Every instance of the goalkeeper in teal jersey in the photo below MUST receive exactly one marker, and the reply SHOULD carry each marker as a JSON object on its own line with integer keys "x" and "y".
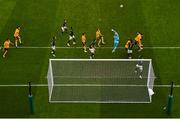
{"x": 116, "y": 40}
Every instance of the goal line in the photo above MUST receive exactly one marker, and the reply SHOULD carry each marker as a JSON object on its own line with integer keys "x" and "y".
{"x": 86, "y": 85}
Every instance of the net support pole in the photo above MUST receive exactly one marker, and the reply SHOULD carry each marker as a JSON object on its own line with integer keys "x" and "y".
{"x": 169, "y": 107}
{"x": 170, "y": 100}
{"x": 30, "y": 99}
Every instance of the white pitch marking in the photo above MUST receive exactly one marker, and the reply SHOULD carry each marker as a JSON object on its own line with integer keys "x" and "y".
{"x": 32, "y": 47}
{"x": 86, "y": 85}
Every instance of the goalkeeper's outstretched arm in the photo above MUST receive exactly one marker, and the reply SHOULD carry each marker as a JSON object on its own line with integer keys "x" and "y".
{"x": 114, "y": 31}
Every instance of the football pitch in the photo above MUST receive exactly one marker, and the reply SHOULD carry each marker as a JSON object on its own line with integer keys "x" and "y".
{"x": 157, "y": 20}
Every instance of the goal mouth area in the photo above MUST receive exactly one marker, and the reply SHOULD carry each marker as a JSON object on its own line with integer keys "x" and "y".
{"x": 99, "y": 81}
{"x": 99, "y": 93}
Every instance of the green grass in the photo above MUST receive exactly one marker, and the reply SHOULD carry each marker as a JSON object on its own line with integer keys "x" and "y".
{"x": 158, "y": 20}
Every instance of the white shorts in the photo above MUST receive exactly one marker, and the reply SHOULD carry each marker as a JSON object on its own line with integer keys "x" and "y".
{"x": 140, "y": 67}
{"x": 129, "y": 51}
{"x": 63, "y": 28}
{"x": 71, "y": 37}
{"x": 53, "y": 47}
{"x": 92, "y": 50}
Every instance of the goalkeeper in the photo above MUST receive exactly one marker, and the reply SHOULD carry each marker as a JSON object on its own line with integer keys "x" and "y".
{"x": 116, "y": 40}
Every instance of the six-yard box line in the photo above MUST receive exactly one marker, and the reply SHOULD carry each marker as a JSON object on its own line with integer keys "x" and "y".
{"x": 42, "y": 47}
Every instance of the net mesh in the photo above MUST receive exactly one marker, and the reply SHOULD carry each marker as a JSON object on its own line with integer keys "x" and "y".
{"x": 99, "y": 81}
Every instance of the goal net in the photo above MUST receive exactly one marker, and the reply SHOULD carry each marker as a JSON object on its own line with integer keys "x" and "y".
{"x": 100, "y": 80}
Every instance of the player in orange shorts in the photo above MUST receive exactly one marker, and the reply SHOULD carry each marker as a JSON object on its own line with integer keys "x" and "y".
{"x": 6, "y": 46}
{"x": 83, "y": 40}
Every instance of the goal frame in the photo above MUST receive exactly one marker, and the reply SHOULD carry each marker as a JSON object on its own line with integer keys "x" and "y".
{"x": 101, "y": 60}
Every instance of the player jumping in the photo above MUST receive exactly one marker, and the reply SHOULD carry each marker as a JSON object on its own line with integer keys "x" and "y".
{"x": 6, "y": 46}
{"x": 83, "y": 40}
{"x": 129, "y": 46}
{"x": 17, "y": 36}
{"x": 139, "y": 67}
{"x": 53, "y": 46}
{"x": 138, "y": 41}
{"x": 64, "y": 27}
{"x": 116, "y": 40}
{"x": 99, "y": 38}
{"x": 71, "y": 37}
{"x": 92, "y": 51}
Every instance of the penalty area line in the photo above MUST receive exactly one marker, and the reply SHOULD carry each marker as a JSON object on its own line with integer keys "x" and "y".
{"x": 29, "y": 47}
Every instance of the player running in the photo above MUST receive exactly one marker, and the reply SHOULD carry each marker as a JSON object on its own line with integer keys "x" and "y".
{"x": 6, "y": 46}
{"x": 64, "y": 27}
{"x": 116, "y": 40}
{"x": 99, "y": 38}
{"x": 138, "y": 41}
{"x": 17, "y": 36}
{"x": 53, "y": 46}
{"x": 92, "y": 51}
{"x": 71, "y": 37}
{"x": 139, "y": 67}
{"x": 83, "y": 40}
{"x": 129, "y": 46}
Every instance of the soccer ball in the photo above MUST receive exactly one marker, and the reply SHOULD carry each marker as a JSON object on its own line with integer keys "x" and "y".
{"x": 121, "y": 6}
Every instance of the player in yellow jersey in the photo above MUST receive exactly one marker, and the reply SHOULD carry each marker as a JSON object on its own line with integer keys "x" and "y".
{"x": 99, "y": 38}
{"x": 138, "y": 41}
{"x": 6, "y": 46}
{"x": 83, "y": 40}
{"x": 17, "y": 36}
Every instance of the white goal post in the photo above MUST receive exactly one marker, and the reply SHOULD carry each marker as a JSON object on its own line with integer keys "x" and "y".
{"x": 100, "y": 81}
